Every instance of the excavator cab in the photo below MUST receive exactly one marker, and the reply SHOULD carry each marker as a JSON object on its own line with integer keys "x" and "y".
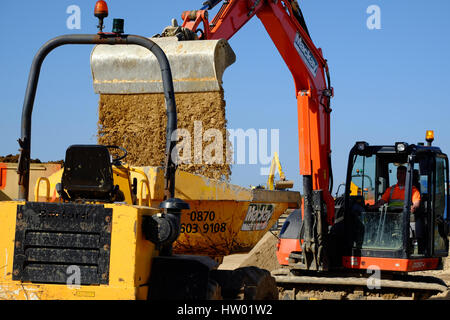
{"x": 396, "y": 235}
{"x": 377, "y": 237}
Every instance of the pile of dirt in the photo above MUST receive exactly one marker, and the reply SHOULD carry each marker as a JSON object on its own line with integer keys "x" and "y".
{"x": 137, "y": 122}
{"x": 15, "y": 159}
{"x": 263, "y": 255}
{"x": 9, "y": 158}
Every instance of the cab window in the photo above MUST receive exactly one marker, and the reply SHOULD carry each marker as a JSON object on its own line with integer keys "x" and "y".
{"x": 363, "y": 178}
{"x": 371, "y": 176}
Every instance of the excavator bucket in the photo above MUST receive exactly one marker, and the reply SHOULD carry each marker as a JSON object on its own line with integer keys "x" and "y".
{"x": 128, "y": 80}
{"x": 196, "y": 65}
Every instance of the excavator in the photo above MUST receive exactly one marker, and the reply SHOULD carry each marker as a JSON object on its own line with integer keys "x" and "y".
{"x": 338, "y": 242}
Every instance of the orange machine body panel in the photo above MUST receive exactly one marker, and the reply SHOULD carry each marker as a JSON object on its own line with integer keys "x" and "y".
{"x": 2, "y": 176}
{"x": 285, "y": 247}
{"x": 390, "y": 264}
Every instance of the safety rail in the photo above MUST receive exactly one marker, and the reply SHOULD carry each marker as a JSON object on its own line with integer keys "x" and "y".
{"x": 36, "y": 189}
{"x": 141, "y": 186}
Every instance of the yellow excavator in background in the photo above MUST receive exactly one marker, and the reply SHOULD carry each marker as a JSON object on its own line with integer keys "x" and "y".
{"x": 281, "y": 184}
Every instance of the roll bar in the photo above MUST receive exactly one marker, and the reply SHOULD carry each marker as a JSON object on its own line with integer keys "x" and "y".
{"x": 100, "y": 38}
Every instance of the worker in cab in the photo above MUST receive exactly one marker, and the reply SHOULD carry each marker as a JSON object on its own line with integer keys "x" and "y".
{"x": 394, "y": 196}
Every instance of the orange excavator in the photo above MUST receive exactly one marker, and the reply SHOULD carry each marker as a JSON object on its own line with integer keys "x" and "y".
{"x": 338, "y": 241}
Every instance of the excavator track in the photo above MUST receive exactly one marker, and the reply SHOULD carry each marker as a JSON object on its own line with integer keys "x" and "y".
{"x": 298, "y": 285}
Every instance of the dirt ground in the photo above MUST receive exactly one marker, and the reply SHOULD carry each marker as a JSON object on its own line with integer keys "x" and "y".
{"x": 138, "y": 123}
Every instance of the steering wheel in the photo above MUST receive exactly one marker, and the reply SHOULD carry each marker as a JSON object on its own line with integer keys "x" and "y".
{"x": 116, "y": 161}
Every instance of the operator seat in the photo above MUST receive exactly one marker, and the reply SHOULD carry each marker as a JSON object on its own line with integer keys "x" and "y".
{"x": 88, "y": 173}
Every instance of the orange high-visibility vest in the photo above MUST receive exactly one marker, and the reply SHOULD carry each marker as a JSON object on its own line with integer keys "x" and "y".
{"x": 395, "y": 196}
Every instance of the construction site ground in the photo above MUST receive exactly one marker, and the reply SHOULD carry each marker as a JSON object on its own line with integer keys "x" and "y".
{"x": 263, "y": 255}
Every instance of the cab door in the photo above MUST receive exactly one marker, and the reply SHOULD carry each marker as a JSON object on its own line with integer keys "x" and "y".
{"x": 439, "y": 241}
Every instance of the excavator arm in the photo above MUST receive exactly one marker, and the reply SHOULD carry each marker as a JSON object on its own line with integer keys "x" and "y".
{"x": 286, "y": 26}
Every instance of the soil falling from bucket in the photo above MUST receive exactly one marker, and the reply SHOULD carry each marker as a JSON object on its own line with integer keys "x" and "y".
{"x": 137, "y": 122}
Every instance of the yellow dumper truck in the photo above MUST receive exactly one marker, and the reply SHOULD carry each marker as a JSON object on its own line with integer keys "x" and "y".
{"x": 101, "y": 229}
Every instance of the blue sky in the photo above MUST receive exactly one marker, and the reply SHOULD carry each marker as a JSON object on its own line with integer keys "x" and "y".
{"x": 390, "y": 84}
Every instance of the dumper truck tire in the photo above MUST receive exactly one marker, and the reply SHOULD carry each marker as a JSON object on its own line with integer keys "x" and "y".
{"x": 250, "y": 283}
